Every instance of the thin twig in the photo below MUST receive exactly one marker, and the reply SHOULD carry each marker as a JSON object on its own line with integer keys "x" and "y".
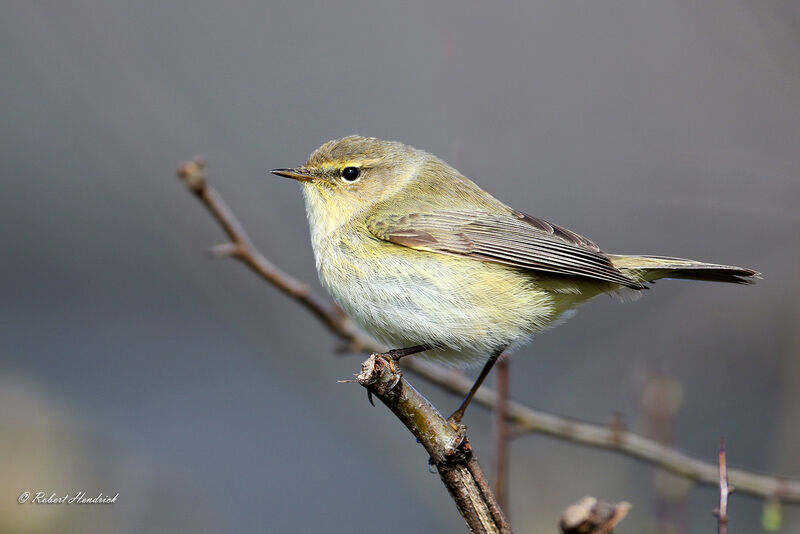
{"x": 724, "y": 490}
{"x": 501, "y": 433}
{"x": 660, "y": 402}
{"x": 527, "y": 419}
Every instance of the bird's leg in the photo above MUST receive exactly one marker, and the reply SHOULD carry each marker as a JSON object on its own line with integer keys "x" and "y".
{"x": 396, "y": 354}
{"x": 455, "y": 419}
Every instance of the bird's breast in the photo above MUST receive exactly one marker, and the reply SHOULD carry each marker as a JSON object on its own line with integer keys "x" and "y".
{"x": 407, "y": 297}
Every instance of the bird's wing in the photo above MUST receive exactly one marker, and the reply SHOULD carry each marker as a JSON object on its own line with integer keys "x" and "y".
{"x": 511, "y": 238}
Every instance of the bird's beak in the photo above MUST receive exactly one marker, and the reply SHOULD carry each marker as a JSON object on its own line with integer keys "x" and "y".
{"x": 294, "y": 174}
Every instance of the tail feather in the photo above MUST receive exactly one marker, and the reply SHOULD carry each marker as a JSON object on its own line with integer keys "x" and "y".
{"x": 651, "y": 268}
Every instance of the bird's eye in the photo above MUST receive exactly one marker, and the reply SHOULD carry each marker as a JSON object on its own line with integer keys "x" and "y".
{"x": 351, "y": 174}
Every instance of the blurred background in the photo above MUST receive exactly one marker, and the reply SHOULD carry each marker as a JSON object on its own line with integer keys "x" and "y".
{"x": 130, "y": 362}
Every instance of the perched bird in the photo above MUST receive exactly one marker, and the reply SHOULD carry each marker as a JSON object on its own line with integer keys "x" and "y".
{"x": 426, "y": 261}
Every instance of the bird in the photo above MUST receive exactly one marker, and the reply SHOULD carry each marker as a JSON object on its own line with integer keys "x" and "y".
{"x": 427, "y": 262}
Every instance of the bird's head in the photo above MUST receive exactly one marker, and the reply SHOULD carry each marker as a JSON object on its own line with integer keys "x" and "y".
{"x": 348, "y": 175}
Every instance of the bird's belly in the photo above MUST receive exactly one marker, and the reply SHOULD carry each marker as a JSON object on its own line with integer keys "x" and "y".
{"x": 405, "y": 298}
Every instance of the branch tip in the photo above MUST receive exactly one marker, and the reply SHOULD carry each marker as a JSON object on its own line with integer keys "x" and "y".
{"x": 590, "y": 516}
{"x": 193, "y": 174}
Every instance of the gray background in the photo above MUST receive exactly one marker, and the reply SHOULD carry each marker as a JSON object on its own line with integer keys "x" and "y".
{"x": 131, "y": 363}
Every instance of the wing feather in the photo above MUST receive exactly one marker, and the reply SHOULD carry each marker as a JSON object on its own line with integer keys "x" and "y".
{"x": 510, "y": 238}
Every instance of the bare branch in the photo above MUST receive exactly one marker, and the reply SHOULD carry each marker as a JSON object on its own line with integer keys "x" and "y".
{"x": 501, "y": 442}
{"x": 616, "y": 439}
{"x": 449, "y": 449}
{"x": 528, "y": 420}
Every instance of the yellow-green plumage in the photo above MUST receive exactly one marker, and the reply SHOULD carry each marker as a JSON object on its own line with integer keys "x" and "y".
{"x": 419, "y": 255}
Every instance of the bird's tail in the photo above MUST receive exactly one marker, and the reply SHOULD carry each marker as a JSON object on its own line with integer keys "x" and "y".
{"x": 651, "y": 268}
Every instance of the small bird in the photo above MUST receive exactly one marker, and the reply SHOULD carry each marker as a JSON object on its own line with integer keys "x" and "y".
{"x": 428, "y": 262}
